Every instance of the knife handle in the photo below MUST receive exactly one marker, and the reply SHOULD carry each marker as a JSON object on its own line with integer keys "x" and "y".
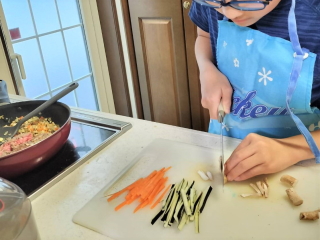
{"x": 221, "y": 113}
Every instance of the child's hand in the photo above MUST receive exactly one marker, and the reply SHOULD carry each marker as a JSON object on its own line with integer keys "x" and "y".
{"x": 215, "y": 87}
{"x": 257, "y": 155}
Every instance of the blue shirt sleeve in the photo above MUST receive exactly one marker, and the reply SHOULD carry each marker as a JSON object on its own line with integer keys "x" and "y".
{"x": 206, "y": 18}
{"x": 199, "y": 16}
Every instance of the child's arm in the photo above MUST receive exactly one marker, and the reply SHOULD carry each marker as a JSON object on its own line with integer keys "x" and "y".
{"x": 257, "y": 155}
{"x": 214, "y": 85}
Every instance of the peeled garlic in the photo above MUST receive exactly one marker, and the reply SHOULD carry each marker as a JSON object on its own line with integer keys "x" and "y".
{"x": 203, "y": 175}
{"x": 209, "y": 175}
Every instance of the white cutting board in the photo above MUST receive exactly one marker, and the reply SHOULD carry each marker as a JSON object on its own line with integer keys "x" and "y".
{"x": 226, "y": 216}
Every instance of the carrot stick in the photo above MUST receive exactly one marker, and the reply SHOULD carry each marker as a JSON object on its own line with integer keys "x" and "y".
{"x": 156, "y": 188}
{"x": 145, "y": 189}
{"x": 120, "y": 205}
{"x": 141, "y": 185}
{"x": 126, "y": 202}
{"x": 148, "y": 189}
{"x": 153, "y": 196}
{"x": 117, "y": 194}
{"x": 131, "y": 186}
{"x": 136, "y": 190}
{"x": 161, "y": 196}
{"x": 151, "y": 175}
{"x": 141, "y": 205}
{"x": 129, "y": 201}
{"x": 167, "y": 169}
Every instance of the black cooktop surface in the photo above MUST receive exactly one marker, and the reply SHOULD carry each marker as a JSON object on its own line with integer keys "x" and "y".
{"x": 83, "y": 139}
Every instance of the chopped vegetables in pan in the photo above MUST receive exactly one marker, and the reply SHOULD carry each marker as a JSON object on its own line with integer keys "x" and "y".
{"x": 36, "y": 125}
{"x": 30, "y": 133}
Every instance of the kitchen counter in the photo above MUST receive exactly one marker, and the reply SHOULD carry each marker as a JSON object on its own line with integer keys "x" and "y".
{"x": 54, "y": 209}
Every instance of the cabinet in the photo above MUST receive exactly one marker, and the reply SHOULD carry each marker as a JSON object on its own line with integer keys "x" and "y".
{"x": 161, "y": 40}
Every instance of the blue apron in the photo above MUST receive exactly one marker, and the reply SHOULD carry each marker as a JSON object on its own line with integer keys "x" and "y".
{"x": 272, "y": 82}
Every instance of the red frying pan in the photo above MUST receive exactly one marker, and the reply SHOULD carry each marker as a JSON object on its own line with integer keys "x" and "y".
{"x": 27, "y": 159}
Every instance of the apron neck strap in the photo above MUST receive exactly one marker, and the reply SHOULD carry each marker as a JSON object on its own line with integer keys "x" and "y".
{"x": 298, "y": 57}
{"x": 292, "y": 27}
{"x": 295, "y": 73}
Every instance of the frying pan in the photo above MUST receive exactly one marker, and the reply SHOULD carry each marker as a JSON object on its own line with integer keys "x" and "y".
{"x": 27, "y": 159}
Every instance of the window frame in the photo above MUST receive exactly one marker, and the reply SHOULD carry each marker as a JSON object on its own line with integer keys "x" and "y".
{"x": 93, "y": 34}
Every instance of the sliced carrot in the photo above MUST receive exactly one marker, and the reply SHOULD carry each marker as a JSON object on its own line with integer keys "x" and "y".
{"x": 144, "y": 189}
{"x": 148, "y": 189}
{"x": 117, "y": 194}
{"x": 162, "y": 182}
{"x": 141, "y": 205}
{"x": 129, "y": 201}
{"x": 155, "y": 193}
{"x": 126, "y": 202}
{"x": 142, "y": 184}
{"x": 120, "y": 205}
{"x": 139, "y": 189}
{"x": 161, "y": 197}
{"x": 151, "y": 175}
{"x": 156, "y": 188}
{"x": 151, "y": 197}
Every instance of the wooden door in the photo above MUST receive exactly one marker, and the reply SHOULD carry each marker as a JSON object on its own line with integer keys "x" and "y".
{"x": 158, "y": 37}
{"x": 199, "y": 116}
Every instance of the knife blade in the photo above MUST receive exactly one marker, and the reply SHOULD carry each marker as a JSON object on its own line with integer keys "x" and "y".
{"x": 221, "y": 114}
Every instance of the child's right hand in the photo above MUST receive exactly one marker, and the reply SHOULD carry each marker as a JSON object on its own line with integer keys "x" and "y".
{"x": 215, "y": 87}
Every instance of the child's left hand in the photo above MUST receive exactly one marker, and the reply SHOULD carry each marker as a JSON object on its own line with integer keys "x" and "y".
{"x": 257, "y": 155}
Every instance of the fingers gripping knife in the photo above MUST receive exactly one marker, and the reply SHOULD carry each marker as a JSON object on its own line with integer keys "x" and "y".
{"x": 221, "y": 115}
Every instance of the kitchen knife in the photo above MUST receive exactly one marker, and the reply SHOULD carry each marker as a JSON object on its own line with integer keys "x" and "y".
{"x": 221, "y": 115}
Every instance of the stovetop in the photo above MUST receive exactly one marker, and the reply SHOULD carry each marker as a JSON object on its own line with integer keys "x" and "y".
{"x": 89, "y": 134}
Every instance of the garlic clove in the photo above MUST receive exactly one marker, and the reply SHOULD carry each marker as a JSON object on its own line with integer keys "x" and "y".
{"x": 203, "y": 175}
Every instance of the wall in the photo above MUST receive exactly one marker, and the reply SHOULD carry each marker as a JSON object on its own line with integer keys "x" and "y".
{"x": 126, "y": 58}
{"x": 4, "y": 70}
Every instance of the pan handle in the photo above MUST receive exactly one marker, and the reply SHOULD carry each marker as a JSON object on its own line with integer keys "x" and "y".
{"x": 48, "y": 103}
{"x": 64, "y": 92}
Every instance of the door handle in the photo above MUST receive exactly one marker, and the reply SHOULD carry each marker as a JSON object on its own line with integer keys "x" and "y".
{"x": 186, "y": 4}
{"x": 20, "y": 64}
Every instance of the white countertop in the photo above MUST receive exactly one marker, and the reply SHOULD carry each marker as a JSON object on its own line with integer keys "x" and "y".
{"x": 54, "y": 209}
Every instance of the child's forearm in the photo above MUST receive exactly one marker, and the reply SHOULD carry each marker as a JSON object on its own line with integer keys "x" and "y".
{"x": 203, "y": 50}
{"x": 299, "y": 148}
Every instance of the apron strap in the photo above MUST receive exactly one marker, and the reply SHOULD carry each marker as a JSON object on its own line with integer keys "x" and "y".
{"x": 292, "y": 26}
{"x": 296, "y": 69}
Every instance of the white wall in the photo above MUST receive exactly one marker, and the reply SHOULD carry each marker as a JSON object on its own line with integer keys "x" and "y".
{"x": 126, "y": 59}
{"x": 4, "y": 70}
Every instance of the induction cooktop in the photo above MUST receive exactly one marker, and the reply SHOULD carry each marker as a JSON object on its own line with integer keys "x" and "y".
{"x": 89, "y": 134}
